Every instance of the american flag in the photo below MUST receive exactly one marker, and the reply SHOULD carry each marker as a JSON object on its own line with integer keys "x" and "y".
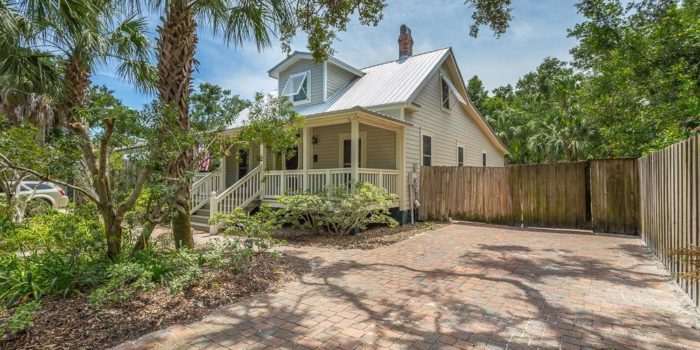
{"x": 205, "y": 162}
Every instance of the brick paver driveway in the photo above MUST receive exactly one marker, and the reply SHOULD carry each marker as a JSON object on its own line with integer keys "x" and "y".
{"x": 461, "y": 287}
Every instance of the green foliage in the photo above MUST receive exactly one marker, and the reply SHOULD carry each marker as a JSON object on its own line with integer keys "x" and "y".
{"x": 494, "y": 13}
{"x": 274, "y": 123}
{"x": 21, "y": 319}
{"x": 125, "y": 280}
{"x": 337, "y": 210}
{"x": 20, "y": 148}
{"x": 51, "y": 254}
{"x": 631, "y": 89}
{"x": 255, "y": 231}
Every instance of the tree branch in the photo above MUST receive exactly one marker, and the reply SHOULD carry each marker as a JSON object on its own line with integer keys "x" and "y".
{"x": 134, "y": 195}
{"x": 9, "y": 164}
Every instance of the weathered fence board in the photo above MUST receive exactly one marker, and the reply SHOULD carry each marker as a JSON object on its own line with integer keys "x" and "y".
{"x": 615, "y": 196}
{"x": 670, "y": 206}
{"x": 546, "y": 195}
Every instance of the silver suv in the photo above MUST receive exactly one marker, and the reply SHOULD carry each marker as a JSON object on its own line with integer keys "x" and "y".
{"x": 48, "y": 192}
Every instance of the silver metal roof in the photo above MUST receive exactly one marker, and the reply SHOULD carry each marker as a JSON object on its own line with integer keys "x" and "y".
{"x": 383, "y": 84}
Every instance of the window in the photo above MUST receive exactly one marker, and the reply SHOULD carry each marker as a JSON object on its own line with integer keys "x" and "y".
{"x": 460, "y": 156}
{"x": 427, "y": 150}
{"x": 483, "y": 158}
{"x": 445, "y": 94}
{"x": 297, "y": 87}
{"x": 38, "y": 186}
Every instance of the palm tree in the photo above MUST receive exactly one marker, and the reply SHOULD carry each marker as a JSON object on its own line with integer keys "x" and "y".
{"x": 82, "y": 35}
{"x": 237, "y": 22}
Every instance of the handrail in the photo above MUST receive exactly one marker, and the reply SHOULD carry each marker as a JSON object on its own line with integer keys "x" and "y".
{"x": 240, "y": 194}
{"x": 239, "y": 182}
{"x": 201, "y": 190}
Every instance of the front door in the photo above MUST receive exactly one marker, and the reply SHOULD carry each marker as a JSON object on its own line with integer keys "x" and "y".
{"x": 347, "y": 153}
{"x": 293, "y": 162}
{"x": 242, "y": 163}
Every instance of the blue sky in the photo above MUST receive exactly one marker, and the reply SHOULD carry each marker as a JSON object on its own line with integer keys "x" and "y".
{"x": 538, "y": 30}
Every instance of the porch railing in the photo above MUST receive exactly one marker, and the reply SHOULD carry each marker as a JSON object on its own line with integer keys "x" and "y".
{"x": 201, "y": 189}
{"x": 242, "y": 193}
{"x": 289, "y": 182}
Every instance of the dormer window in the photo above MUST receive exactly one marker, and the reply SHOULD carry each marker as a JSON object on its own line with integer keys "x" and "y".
{"x": 297, "y": 87}
{"x": 445, "y": 88}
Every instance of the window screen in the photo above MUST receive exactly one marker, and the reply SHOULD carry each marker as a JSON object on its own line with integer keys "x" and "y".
{"x": 460, "y": 156}
{"x": 427, "y": 150}
{"x": 297, "y": 87}
{"x": 483, "y": 158}
{"x": 445, "y": 94}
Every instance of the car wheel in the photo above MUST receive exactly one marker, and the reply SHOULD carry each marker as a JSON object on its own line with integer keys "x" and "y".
{"x": 38, "y": 206}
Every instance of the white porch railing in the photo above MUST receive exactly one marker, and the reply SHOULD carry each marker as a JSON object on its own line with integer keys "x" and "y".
{"x": 201, "y": 189}
{"x": 242, "y": 193}
{"x": 288, "y": 182}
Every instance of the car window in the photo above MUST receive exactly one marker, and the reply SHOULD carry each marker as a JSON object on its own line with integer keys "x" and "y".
{"x": 38, "y": 186}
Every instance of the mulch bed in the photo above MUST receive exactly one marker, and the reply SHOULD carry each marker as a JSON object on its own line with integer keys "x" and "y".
{"x": 71, "y": 323}
{"x": 371, "y": 238}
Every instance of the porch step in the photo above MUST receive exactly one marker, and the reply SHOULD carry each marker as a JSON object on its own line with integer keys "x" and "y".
{"x": 202, "y": 219}
{"x": 199, "y": 226}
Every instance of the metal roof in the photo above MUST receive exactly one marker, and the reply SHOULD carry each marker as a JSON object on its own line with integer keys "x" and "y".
{"x": 383, "y": 84}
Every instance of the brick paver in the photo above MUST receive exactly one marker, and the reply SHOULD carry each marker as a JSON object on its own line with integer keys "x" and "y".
{"x": 461, "y": 287}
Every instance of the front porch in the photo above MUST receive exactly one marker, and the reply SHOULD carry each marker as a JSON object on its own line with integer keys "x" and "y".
{"x": 334, "y": 151}
{"x": 289, "y": 182}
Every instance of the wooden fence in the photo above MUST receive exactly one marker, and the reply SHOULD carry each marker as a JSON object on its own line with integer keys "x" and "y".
{"x": 564, "y": 195}
{"x": 670, "y": 206}
{"x": 615, "y": 195}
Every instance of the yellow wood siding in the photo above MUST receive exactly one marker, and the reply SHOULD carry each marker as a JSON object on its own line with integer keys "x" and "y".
{"x": 447, "y": 128}
{"x": 380, "y": 152}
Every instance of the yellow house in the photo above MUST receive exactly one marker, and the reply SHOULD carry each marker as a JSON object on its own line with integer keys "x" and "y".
{"x": 377, "y": 124}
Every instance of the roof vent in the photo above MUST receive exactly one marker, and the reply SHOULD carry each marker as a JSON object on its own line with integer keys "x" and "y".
{"x": 405, "y": 43}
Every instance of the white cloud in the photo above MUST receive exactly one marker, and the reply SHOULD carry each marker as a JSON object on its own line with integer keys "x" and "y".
{"x": 537, "y": 31}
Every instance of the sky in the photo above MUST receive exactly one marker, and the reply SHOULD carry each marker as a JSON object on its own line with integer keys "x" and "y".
{"x": 538, "y": 30}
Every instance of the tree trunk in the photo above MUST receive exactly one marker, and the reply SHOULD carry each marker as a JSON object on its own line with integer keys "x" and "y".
{"x": 113, "y": 231}
{"x": 144, "y": 237}
{"x": 176, "y": 47}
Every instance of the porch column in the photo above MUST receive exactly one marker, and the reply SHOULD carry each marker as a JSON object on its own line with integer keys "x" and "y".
{"x": 263, "y": 157}
{"x": 401, "y": 167}
{"x": 222, "y": 174}
{"x": 354, "y": 145}
{"x": 305, "y": 150}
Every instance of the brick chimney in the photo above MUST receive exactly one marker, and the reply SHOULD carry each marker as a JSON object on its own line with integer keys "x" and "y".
{"x": 405, "y": 43}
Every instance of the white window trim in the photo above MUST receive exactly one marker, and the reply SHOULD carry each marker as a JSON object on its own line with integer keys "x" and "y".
{"x": 457, "y": 153}
{"x": 363, "y": 156}
{"x": 449, "y": 93}
{"x": 432, "y": 148}
{"x": 308, "y": 87}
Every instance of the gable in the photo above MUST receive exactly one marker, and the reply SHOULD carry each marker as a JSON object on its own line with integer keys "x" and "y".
{"x": 315, "y": 78}
{"x": 461, "y": 105}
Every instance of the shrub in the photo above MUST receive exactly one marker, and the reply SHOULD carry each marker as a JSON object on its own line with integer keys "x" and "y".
{"x": 51, "y": 254}
{"x": 125, "y": 280}
{"x": 337, "y": 210}
{"x": 254, "y": 231}
{"x": 22, "y": 318}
